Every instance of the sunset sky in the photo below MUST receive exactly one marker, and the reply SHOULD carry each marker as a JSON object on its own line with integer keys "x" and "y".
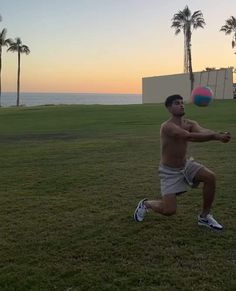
{"x": 107, "y": 46}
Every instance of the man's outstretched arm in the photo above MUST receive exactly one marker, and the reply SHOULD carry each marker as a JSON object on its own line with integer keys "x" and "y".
{"x": 199, "y": 136}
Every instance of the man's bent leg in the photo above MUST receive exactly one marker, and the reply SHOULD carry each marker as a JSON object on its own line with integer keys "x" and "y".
{"x": 166, "y": 206}
{"x": 208, "y": 178}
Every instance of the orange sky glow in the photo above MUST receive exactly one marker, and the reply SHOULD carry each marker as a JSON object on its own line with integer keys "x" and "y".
{"x": 108, "y": 46}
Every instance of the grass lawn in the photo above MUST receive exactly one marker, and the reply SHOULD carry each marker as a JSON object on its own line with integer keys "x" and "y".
{"x": 71, "y": 177}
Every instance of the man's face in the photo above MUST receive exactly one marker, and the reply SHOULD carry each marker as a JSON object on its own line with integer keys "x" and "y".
{"x": 177, "y": 108}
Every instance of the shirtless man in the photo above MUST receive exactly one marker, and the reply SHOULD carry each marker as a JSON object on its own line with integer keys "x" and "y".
{"x": 176, "y": 171}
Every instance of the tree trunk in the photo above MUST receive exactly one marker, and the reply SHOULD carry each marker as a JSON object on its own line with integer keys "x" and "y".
{"x": 18, "y": 81}
{"x": 185, "y": 55}
{"x": 191, "y": 76}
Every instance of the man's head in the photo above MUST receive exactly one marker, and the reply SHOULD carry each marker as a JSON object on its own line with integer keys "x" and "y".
{"x": 175, "y": 105}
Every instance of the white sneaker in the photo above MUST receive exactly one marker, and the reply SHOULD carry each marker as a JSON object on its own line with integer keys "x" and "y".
{"x": 140, "y": 211}
{"x": 209, "y": 221}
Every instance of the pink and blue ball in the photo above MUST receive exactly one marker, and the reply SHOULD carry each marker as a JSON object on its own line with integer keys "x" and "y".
{"x": 202, "y": 96}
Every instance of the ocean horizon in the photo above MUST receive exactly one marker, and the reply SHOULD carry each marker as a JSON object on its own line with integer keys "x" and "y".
{"x": 8, "y": 99}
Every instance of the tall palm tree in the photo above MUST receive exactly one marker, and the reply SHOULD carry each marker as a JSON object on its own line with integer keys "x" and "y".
{"x": 3, "y": 42}
{"x": 230, "y": 27}
{"x": 17, "y": 46}
{"x": 186, "y": 21}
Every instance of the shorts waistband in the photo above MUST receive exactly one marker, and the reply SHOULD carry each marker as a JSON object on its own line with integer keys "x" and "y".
{"x": 179, "y": 168}
{"x": 170, "y": 168}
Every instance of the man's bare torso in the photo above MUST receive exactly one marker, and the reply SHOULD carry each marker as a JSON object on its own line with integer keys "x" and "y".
{"x": 173, "y": 150}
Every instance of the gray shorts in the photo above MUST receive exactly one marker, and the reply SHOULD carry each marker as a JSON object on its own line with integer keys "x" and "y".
{"x": 176, "y": 180}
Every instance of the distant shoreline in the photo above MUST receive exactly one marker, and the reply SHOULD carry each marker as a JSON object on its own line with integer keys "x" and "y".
{"x": 34, "y": 99}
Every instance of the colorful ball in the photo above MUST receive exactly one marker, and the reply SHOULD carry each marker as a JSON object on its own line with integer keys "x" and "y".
{"x": 201, "y": 96}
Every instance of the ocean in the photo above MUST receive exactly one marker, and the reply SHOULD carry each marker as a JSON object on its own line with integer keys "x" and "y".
{"x": 34, "y": 99}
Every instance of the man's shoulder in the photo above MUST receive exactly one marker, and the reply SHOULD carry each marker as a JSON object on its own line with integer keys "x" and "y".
{"x": 190, "y": 121}
{"x": 167, "y": 125}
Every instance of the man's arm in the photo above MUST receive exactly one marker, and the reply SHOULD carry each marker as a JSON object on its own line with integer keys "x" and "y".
{"x": 195, "y": 127}
{"x": 177, "y": 132}
{"x": 223, "y": 136}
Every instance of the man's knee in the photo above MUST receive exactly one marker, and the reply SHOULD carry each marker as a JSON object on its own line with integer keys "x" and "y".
{"x": 169, "y": 204}
{"x": 210, "y": 177}
{"x": 169, "y": 211}
{"x": 205, "y": 175}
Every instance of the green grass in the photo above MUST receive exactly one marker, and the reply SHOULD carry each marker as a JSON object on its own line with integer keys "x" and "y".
{"x": 71, "y": 177}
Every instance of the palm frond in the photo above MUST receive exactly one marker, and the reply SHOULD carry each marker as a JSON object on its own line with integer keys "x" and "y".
{"x": 197, "y": 14}
{"x": 3, "y": 40}
{"x": 176, "y": 24}
{"x": 177, "y": 31}
{"x": 187, "y": 12}
{"x": 12, "y": 49}
{"x": 231, "y": 22}
{"x": 18, "y": 40}
{"x": 226, "y": 29}
{"x": 198, "y": 24}
{"x": 3, "y": 33}
{"x": 25, "y": 49}
{"x": 181, "y": 16}
{"x": 8, "y": 41}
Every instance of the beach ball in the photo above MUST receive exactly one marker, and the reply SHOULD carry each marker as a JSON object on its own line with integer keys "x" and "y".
{"x": 201, "y": 96}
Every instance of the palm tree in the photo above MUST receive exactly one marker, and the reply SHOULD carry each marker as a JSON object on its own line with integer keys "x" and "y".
{"x": 186, "y": 22}
{"x": 3, "y": 42}
{"x": 17, "y": 46}
{"x": 230, "y": 27}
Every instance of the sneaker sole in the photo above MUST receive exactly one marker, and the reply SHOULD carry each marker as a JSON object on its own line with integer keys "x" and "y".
{"x": 209, "y": 226}
{"x": 135, "y": 218}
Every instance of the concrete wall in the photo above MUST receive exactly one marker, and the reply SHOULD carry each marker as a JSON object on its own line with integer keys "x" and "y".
{"x": 156, "y": 89}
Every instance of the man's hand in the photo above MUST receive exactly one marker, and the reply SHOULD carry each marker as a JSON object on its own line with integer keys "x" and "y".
{"x": 224, "y": 137}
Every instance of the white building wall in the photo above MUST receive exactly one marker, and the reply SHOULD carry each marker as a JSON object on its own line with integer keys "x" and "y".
{"x": 156, "y": 89}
